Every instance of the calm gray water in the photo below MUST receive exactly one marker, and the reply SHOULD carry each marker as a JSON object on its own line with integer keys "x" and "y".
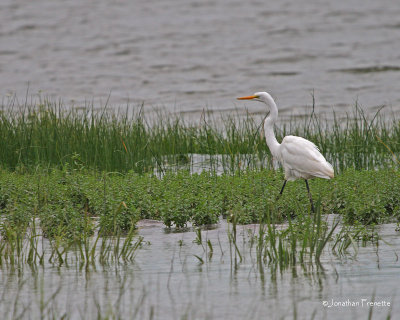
{"x": 167, "y": 281}
{"x": 188, "y": 55}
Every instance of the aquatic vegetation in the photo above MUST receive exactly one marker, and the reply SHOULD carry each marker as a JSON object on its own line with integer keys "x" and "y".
{"x": 67, "y": 201}
{"x": 50, "y": 134}
{"x": 75, "y": 183}
{"x": 98, "y": 236}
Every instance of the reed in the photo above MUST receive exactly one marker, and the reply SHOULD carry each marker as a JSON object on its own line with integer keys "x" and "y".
{"x": 51, "y": 134}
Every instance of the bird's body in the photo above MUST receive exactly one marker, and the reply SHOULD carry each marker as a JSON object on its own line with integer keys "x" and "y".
{"x": 299, "y": 157}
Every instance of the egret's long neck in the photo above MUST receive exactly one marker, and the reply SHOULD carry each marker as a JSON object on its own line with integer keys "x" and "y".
{"x": 269, "y": 122}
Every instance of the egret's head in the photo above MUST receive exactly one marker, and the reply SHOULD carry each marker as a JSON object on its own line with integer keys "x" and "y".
{"x": 258, "y": 96}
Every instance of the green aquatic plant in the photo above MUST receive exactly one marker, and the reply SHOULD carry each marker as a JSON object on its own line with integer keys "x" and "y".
{"x": 51, "y": 134}
{"x": 65, "y": 203}
{"x": 85, "y": 210}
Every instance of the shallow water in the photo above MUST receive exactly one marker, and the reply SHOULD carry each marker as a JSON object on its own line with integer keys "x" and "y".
{"x": 188, "y": 55}
{"x": 167, "y": 281}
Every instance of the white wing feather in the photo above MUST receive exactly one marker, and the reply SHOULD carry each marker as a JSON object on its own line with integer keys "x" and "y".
{"x": 302, "y": 159}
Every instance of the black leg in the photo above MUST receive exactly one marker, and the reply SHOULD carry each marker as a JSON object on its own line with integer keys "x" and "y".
{"x": 283, "y": 187}
{"x": 309, "y": 195}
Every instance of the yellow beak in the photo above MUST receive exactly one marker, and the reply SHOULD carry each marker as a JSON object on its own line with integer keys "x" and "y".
{"x": 247, "y": 98}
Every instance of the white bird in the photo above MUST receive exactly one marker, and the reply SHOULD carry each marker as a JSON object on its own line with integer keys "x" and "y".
{"x": 299, "y": 157}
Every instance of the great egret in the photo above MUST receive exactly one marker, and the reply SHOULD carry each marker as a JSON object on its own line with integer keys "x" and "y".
{"x": 299, "y": 157}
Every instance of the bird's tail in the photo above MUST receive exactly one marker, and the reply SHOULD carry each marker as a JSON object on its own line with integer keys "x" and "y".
{"x": 329, "y": 170}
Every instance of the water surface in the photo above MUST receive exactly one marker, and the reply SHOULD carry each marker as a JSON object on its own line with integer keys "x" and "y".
{"x": 167, "y": 281}
{"x": 190, "y": 55}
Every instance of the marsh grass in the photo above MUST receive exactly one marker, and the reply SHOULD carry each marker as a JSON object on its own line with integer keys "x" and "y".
{"x": 50, "y": 134}
{"x": 68, "y": 205}
{"x": 74, "y": 184}
{"x": 300, "y": 242}
{"x": 279, "y": 249}
{"x": 31, "y": 248}
{"x": 297, "y": 244}
{"x": 87, "y": 217}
